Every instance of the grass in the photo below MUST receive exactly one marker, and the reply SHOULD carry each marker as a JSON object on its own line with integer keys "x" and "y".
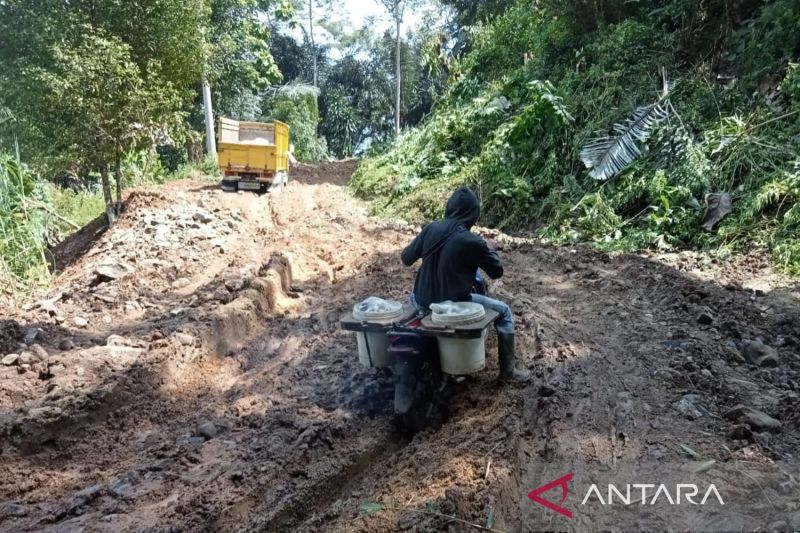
{"x": 78, "y": 207}
{"x": 516, "y": 139}
{"x": 23, "y": 245}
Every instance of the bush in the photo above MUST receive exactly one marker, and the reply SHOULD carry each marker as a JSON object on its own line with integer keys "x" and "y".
{"x": 207, "y": 168}
{"x": 296, "y": 105}
{"x": 172, "y": 156}
{"x": 77, "y": 206}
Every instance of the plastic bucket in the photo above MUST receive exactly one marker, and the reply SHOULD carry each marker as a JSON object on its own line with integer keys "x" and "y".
{"x": 373, "y": 349}
{"x": 462, "y": 356}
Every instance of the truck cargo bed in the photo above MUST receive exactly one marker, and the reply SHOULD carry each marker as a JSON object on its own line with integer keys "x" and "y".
{"x": 253, "y": 156}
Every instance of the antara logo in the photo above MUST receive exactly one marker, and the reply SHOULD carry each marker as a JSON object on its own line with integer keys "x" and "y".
{"x": 535, "y": 495}
{"x": 633, "y": 494}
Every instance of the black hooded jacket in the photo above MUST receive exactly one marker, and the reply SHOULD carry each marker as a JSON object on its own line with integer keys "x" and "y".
{"x": 451, "y": 253}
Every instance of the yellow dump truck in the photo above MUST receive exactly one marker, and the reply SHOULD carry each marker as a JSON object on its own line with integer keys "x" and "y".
{"x": 253, "y": 156}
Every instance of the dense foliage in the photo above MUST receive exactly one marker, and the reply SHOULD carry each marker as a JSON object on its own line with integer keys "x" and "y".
{"x": 542, "y": 78}
{"x": 356, "y": 77}
{"x": 512, "y": 97}
{"x": 297, "y": 106}
{"x": 357, "y": 98}
{"x": 99, "y": 95}
{"x": 90, "y": 83}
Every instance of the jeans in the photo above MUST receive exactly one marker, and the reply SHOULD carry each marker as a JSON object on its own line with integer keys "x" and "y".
{"x": 504, "y": 324}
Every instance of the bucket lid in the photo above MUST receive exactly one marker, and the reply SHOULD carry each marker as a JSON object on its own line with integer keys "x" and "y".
{"x": 375, "y": 309}
{"x": 456, "y": 313}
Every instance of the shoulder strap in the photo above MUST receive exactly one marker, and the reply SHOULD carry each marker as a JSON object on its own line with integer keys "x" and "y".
{"x": 439, "y": 245}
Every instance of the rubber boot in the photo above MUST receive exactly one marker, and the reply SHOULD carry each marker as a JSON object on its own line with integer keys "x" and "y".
{"x": 405, "y": 385}
{"x": 508, "y": 361}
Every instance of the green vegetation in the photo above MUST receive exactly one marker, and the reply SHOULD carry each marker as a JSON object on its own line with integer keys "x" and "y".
{"x": 77, "y": 207}
{"x": 357, "y": 97}
{"x": 541, "y": 79}
{"x": 665, "y": 101}
{"x": 99, "y": 96}
{"x": 297, "y": 105}
{"x": 22, "y": 229}
{"x": 89, "y": 83}
{"x": 92, "y": 84}
{"x": 34, "y": 213}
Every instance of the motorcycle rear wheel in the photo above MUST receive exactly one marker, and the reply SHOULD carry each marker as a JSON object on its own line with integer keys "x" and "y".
{"x": 427, "y": 408}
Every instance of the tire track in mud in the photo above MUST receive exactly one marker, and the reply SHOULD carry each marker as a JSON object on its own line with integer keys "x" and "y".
{"x": 583, "y": 412}
{"x": 234, "y": 323}
{"x": 314, "y": 504}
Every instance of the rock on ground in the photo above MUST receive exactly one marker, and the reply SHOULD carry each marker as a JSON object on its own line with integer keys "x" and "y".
{"x": 756, "y": 419}
{"x": 207, "y": 430}
{"x": 758, "y": 353}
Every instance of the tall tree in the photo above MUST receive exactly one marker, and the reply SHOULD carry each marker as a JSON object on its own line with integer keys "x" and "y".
{"x": 311, "y": 39}
{"x": 89, "y": 81}
{"x": 289, "y": 55}
{"x": 307, "y": 20}
{"x": 238, "y": 56}
{"x": 396, "y": 9}
{"x": 357, "y": 94}
{"x": 469, "y": 12}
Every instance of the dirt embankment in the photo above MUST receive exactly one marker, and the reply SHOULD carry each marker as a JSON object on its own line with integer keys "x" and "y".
{"x": 187, "y": 374}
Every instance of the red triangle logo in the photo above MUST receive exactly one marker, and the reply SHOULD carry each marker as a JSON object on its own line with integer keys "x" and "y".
{"x": 536, "y": 495}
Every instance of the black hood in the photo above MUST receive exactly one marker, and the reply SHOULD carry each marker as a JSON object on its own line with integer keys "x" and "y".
{"x": 463, "y": 206}
{"x": 460, "y": 214}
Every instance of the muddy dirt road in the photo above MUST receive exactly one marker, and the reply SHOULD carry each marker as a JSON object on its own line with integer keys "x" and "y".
{"x": 187, "y": 374}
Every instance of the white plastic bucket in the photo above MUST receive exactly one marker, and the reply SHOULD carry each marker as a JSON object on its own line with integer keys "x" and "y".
{"x": 373, "y": 349}
{"x": 462, "y": 356}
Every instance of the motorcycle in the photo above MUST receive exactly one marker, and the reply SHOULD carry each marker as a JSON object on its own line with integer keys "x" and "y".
{"x": 410, "y": 344}
{"x": 421, "y": 387}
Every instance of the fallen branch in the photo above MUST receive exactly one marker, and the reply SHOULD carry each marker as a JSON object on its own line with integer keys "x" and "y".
{"x": 49, "y": 210}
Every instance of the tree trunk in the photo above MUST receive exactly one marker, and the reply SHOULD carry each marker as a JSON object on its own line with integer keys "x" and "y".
{"x": 311, "y": 38}
{"x": 118, "y": 181}
{"x": 110, "y": 214}
{"x": 397, "y": 76}
{"x": 194, "y": 151}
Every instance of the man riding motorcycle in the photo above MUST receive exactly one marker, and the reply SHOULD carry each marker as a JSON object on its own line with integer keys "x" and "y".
{"x": 451, "y": 255}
